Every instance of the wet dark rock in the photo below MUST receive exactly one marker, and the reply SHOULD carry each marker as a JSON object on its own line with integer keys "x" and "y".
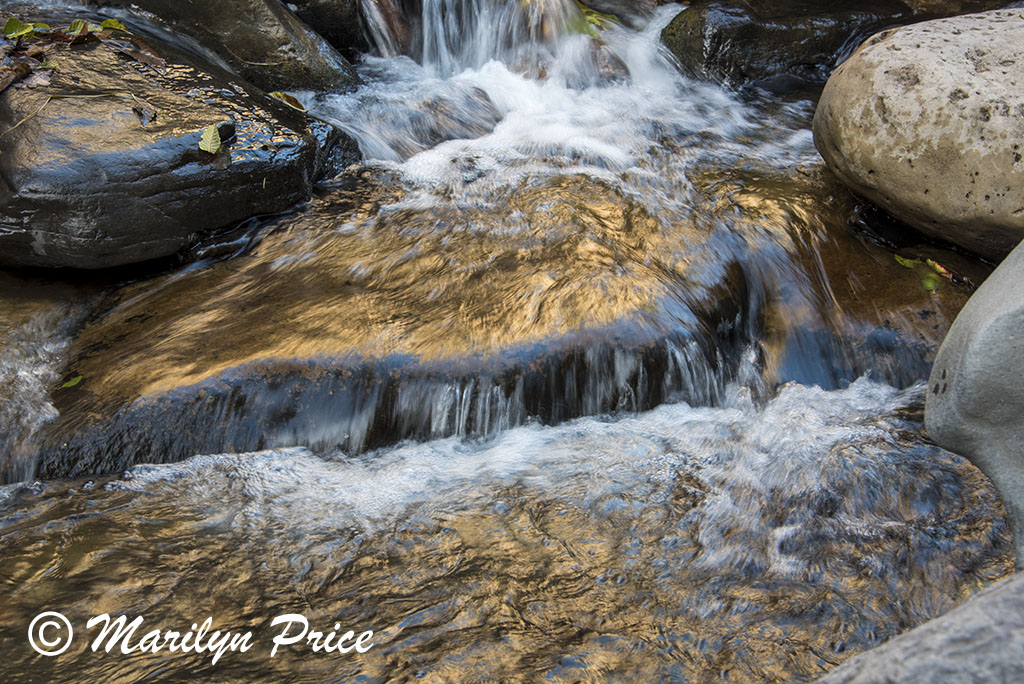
{"x": 980, "y": 642}
{"x": 260, "y": 39}
{"x": 779, "y": 45}
{"x": 100, "y": 164}
{"x": 338, "y": 21}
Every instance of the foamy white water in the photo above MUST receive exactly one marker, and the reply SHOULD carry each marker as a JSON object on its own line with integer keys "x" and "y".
{"x": 472, "y": 116}
{"x": 31, "y": 356}
{"x": 783, "y": 449}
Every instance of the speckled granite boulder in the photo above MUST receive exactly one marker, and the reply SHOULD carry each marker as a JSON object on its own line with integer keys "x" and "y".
{"x": 927, "y": 122}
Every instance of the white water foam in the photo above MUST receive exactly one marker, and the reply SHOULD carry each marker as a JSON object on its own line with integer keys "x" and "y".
{"x": 477, "y": 115}
{"x": 801, "y": 441}
{"x": 31, "y": 355}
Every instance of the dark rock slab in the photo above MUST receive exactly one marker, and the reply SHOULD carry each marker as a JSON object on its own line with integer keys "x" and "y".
{"x": 100, "y": 164}
{"x": 260, "y": 39}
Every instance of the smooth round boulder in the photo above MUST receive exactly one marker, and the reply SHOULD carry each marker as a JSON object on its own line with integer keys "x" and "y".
{"x": 975, "y": 402}
{"x": 927, "y": 122}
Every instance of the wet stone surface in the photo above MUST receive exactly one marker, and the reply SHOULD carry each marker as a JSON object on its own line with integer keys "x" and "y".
{"x": 101, "y": 167}
{"x": 564, "y": 383}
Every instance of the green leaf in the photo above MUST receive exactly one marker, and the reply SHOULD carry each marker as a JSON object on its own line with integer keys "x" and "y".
{"x": 114, "y": 25}
{"x": 931, "y": 281}
{"x": 13, "y": 28}
{"x": 906, "y": 263}
{"x": 72, "y": 382}
{"x": 210, "y": 142}
{"x": 77, "y": 27}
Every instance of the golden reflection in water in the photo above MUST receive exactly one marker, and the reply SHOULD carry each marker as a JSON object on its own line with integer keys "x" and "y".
{"x": 373, "y": 274}
{"x": 646, "y": 564}
{"x": 434, "y": 283}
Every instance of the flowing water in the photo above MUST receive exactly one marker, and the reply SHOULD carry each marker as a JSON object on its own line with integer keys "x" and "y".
{"x": 560, "y": 384}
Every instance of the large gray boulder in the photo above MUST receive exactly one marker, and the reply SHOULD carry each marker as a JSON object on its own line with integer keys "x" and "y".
{"x": 927, "y": 122}
{"x": 100, "y": 163}
{"x": 975, "y": 402}
{"x": 980, "y": 642}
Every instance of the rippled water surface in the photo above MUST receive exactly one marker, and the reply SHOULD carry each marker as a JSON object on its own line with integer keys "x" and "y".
{"x": 560, "y": 384}
{"x": 686, "y": 544}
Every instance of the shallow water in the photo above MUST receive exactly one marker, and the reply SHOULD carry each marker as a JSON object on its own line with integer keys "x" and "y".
{"x": 560, "y": 384}
{"x": 535, "y": 240}
{"x": 684, "y": 544}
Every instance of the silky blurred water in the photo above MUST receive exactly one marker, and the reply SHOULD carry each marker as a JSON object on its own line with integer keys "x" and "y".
{"x": 685, "y": 544}
{"x": 582, "y": 375}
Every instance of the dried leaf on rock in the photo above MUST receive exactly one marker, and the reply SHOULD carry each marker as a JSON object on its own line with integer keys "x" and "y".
{"x": 210, "y": 141}
{"x": 289, "y": 100}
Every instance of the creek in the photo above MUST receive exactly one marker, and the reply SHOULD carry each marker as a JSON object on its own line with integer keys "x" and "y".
{"x": 589, "y": 372}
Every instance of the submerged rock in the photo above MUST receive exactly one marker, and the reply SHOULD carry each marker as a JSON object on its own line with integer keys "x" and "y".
{"x": 976, "y": 397}
{"x": 980, "y": 642}
{"x": 373, "y": 316}
{"x": 260, "y": 39}
{"x": 928, "y": 123}
{"x": 782, "y": 44}
{"x": 352, "y": 330}
{"x": 100, "y": 163}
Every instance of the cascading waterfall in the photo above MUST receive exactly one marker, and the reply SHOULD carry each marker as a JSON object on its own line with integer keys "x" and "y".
{"x": 454, "y": 35}
{"x": 627, "y": 284}
{"x": 462, "y": 34}
{"x": 546, "y": 245}
{"x": 378, "y": 19}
